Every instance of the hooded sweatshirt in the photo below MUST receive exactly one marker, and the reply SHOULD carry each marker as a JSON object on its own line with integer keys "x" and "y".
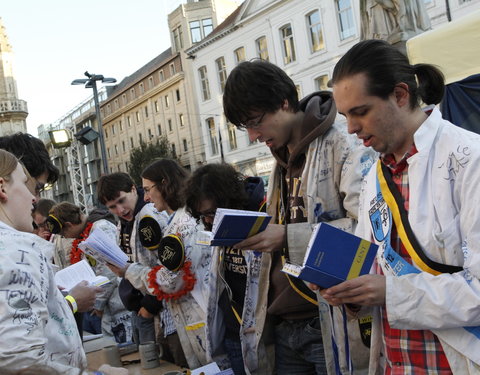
{"x": 320, "y": 113}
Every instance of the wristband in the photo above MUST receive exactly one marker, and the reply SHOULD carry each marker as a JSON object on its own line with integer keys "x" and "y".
{"x": 72, "y": 301}
{"x": 98, "y": 373}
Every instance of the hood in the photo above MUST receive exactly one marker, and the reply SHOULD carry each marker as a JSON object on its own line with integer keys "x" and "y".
{"x": 255, "y": 189}
{"x": 320, "y": 112}
{"x": 99, "y": 214}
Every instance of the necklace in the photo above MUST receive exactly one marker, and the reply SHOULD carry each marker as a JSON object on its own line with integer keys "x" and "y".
{"x": 188, "y": 278}
{"x": 76, "y": 253}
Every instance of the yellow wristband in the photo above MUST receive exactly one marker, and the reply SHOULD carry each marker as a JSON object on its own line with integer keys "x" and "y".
{"x": 72, "y": 301}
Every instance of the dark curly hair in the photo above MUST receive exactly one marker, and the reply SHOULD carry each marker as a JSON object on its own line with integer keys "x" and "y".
{"x": 32, "y": 153}
{"x": 220, "y": 183}
{"x": 169, "y": 178}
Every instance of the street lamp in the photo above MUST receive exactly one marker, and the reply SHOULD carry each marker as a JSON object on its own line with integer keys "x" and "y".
{"x": 91, "y": 82}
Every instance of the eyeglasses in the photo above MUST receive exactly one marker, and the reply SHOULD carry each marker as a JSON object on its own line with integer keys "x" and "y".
{"x": 147, "y": 189}
{"x": 253, "y": 123}
{"x": 39, "y": 187}
{"x": 209, "y": 214}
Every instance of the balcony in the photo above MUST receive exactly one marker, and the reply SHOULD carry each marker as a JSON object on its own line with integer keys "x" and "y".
{"x": 17, "y": 105}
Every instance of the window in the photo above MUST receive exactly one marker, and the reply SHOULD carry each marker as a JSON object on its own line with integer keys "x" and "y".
{"x": 120, "y": 125}
{"x": 123, "y": 146}
{"x": 167, "y": 101}
{"x": 150, "y": 82}
{"x": 113, "y": 129}
{"x": 146, "y": 111}
{"x": 157, "y": 107}
{"x": 239, "y": 54}
{"x": 150, "y": 135}
{"x": 116, "y": 150}
{"x": 140, "y": 138}
{"x": 181, "y": 118}
{"x": 108, "y": 152}
{"x": 142, "y": 89}
{"x": 195, "y": 32}
{"x": 212, "y": 135}
{"x": 137, "y": 116}
{"x": 185, "y": 146}
{"x": 287, "y": 44}
{"x": 174, "y": 150}
{"x": 178, "y": 38}
{"x": 262, "y": 50}
{"x": 345, "y": 19}
{"x": 132, "y": 93}
{"x": 207, "y": 26}
{"x": 321, "y": 82}
{"x": 170, "y": 125}
{"x": 126, "y": 166}
{"x": 159, "y": 129}
{"x": 172, "y": 69}
{"x": 108, "y": 109}
{"x": 129, "y": 121}
{"x": 200, "y": 29}
{"x": 177, "y": 93}
{"x": 202, "y": 71}
{"x": 115, "y": 104}
{"x": 232, "y": 136}
{"x": 315, "y": 31}
{"x": 132, "y": 145}
{"x": 222, "y": 72}
{"x": 161, "y": 75}
{"x": 106, "y": 133}
{"x": 124, "y": 99}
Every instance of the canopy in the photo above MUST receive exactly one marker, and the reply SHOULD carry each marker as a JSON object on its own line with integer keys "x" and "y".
{"x": 453, "y": 47}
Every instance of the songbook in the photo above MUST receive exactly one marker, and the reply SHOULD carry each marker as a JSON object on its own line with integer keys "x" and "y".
{"x": 103, "y": 248}
{"x": 77, "y": 272}
{"x": 233, "y": 226}
{"x": 333, "y": 256}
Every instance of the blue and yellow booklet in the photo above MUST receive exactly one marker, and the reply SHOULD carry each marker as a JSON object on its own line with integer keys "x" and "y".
{"x": 333, "y": 256}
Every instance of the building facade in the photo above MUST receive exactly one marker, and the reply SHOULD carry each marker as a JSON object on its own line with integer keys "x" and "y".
{"x": 304, "y": 37}
{"x": 13, "y": 111}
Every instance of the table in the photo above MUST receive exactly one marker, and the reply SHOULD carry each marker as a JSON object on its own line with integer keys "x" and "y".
{"x": 95, "y": 360}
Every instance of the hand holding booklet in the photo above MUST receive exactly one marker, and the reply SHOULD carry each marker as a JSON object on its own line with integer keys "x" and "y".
{"x": 101, "y": 247}
{"x": 72, "y": 275}
{"x": 333, "y": 256}
{"x": 233, "y": 226}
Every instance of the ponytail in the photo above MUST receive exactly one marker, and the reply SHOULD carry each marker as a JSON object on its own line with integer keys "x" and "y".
{"x": 431, "y": 83}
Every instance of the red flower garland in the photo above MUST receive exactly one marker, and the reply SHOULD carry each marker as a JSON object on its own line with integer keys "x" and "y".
{"x": 188, "y": 278}
{"x": 76, "y": 253}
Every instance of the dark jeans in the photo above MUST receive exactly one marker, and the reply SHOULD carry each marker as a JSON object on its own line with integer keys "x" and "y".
{"x": 234, "y": 353}
{"x": 143, "y": 329}
{"x": 92, "y": 323}
{"x": 299, "y": 348}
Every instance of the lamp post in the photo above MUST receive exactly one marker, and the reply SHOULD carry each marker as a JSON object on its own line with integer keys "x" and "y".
{"x": 91, "y": 82}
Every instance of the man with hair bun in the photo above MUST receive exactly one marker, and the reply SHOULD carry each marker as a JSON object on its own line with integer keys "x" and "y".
{"x": 420, "y": 204}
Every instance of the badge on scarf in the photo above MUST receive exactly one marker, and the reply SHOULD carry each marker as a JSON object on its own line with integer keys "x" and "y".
{"x": 149, "y": 233}
{"x": 365, "y": 325}
{"x": 171, "y": 252}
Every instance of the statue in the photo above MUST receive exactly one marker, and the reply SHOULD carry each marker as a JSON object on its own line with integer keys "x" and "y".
{"x": 393, "y": 20}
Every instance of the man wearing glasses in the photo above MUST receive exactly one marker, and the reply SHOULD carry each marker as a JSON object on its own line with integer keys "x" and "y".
{"x": 316, "y": 178}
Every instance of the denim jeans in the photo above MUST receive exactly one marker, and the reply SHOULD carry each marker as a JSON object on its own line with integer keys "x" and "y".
{"x": 299, "y": 348}
{"x": 234, "y": 353}
{"x": 143, "y": 329}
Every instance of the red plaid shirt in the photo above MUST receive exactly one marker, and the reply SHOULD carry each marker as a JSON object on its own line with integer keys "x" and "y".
{"x": 408, "y": 351}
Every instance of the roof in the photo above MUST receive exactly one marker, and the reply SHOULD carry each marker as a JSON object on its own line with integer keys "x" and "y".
{"x": 142, "y": 72}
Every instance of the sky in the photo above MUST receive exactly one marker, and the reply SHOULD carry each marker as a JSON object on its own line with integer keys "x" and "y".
{"x": 56, "y": 41}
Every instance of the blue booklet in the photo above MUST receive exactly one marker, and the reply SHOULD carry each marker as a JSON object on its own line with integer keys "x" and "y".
{"x": 232, "y": 226}
{"x": 333, "y": 256}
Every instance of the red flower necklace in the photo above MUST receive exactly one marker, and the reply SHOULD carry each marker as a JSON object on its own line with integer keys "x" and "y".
{"x": 76, "y": 253}
{"x": 188, "y": 277}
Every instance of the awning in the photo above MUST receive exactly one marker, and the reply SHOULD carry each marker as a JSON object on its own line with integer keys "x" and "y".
{"x": 453, "y": 47}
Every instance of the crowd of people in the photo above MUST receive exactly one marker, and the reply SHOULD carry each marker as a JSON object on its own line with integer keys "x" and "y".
{"x": 391, "y": 172}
